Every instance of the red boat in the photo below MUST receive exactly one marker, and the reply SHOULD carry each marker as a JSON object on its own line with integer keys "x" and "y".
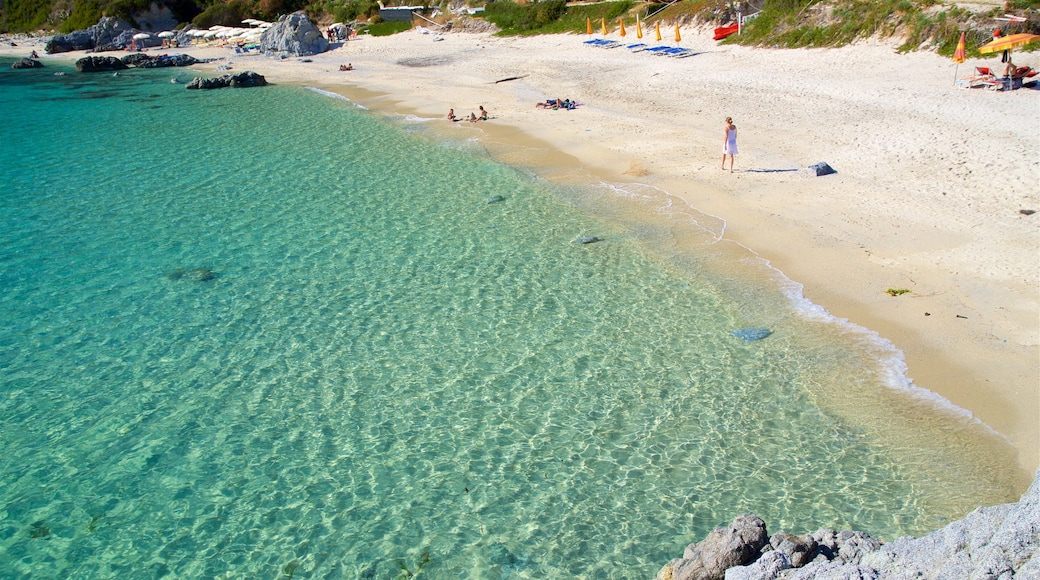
{"x": 724, "y": 31}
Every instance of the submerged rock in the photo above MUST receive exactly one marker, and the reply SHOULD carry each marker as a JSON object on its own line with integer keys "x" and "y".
{"x": 193, "y": 275}
{"x": 496, "y": 199}
{"x": 752, "y": 334}
{"x": 587, "y": 240}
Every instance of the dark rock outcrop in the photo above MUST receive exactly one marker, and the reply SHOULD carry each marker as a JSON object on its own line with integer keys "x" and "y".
{"x": 1000, "y": 542}
{"x": 238, "y": 80}
{"x": 142, "y": 60}
{"x": 101, "y": 36}
{"x": 99, "y": 64}
{"x": 27, "y": 63}
{"x": 294, "y": 34}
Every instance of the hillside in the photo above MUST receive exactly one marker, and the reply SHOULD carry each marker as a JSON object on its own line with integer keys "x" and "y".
{"x": 913, "y": 24}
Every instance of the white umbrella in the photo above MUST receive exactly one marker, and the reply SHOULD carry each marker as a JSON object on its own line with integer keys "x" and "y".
{"x": 167, "y": 34}
{"x": 141, "y": 36}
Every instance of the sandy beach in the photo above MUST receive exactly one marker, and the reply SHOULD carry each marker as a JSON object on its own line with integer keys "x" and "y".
{"x": 928, "y": 196}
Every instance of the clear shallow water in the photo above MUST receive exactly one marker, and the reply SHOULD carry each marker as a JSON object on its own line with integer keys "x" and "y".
{"x": 384, "y": 364}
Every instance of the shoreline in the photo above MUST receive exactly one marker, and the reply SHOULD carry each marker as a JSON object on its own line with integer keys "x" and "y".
{"x": 933, "y": 223}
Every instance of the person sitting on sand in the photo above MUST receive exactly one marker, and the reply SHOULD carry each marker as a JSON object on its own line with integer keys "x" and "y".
{"x": 451, "y": 114}
{"x": 483, "y": 114}
{"x": 347, "y": 66}
{"x": 34, "y": 55}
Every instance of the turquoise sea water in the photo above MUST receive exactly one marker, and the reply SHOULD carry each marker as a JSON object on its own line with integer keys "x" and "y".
{"x": 264, "y": 333}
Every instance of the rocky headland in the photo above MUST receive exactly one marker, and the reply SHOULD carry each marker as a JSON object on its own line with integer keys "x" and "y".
{"x": 998, "y": 542}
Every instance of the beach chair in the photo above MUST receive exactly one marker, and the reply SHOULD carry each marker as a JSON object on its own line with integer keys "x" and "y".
{"x": 983, "y": 79}
{"x": 658, "y": 49}
{"x": 637, "y": 47}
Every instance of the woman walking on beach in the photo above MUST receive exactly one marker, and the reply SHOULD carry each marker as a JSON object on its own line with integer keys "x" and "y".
{"x": 729, "y": 144}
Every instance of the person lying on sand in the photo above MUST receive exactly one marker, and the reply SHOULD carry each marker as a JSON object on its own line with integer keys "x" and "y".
{"x": 347, "y": 66}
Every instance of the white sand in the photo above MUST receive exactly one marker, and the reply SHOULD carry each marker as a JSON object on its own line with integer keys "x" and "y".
{"x": 931, "y": 177}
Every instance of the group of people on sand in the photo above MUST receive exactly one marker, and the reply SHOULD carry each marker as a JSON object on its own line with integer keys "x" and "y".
{"x": 473, "y": 118}
{"x": 347, "y": 66}
{"x": 557, "y": 103}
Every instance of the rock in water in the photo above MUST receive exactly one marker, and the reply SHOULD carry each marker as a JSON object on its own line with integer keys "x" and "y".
{"x": 495, "y": 199}
{"x": 27, "y": 63}
{"x": 752, "y": 334}
{"x": 587, "y": 240}
{"x": 735, "y": 545}
{"x": 100, "y": 64}
{"x": 239, "y": 80}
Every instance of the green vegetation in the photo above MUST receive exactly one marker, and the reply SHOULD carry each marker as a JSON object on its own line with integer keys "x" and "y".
{"x": 388, "y": 28}
{"x": 918, "y": 24}
{"x": 554, "y": 16}
{"x": 812, "y": 23}
{"x": 896, "y": 291}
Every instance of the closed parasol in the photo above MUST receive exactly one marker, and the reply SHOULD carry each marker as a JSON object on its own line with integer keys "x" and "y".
{"x": 959, "y": 55}
{"x": 621, "y": 27}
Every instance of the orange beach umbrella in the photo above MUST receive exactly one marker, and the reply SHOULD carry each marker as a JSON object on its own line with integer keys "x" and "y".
{"x": 603, "y": 23}
{"x": 657, "y": 30}
{"x": 677, "y": 37}
{"x": 621, "y": 26}
{"x": 1008, "y": 42}
{"x": 588, "y": 26}
{"x": 639, "y": 28}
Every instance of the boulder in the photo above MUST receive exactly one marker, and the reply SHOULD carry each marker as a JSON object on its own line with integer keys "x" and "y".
{"x": 769, "y": 566}
{"x": 799, "y": 550}
{"x": 99, "y": 64}
{"x": 735, "y": 545}
{"x": 238, "y": 80}
{"x": 98, "y": 37}
{"x": 27, "y": 63}
{"x": 142, "y": 60}
{"x": 294, "y": 34}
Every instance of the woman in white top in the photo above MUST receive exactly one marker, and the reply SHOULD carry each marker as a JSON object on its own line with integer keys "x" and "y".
{"x": 729, "y": 144}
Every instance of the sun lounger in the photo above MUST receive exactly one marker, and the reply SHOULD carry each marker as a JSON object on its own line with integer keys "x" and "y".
{"x": 637, "y": 47}
{"x": 658, "y": 49}
{"x": 601, "y": 43}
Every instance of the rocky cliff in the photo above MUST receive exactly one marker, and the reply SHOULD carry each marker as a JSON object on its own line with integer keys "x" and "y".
{"x": 999, "y": 542}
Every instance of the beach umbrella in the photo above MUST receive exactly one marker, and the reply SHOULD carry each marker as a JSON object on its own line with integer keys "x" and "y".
{"x": 1008, "y": 42}
{"x": 621, "y": 26}
{"x": 959, "y": 56}
{"x": 603, "y": 25}
{"x": 639, "y": 28}
{"x": 141, "y": 36}
{"x": 588, "y": 26}
{"x": 657, "y": 31}
{"x": 167, "y": 34}
{"x": 677, "y": 37}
